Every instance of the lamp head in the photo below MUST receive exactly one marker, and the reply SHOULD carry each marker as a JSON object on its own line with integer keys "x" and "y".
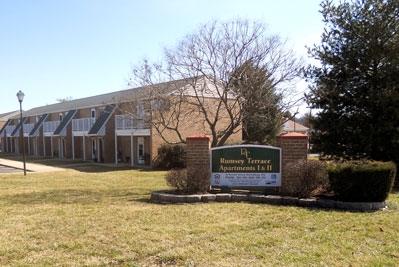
{"x": 20, "y": 96}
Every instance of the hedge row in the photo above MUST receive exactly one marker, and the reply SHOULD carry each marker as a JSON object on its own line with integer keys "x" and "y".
{"x": 361, "y": 181}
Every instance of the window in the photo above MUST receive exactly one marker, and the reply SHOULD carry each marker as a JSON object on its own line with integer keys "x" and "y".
{"x": 93, "y": 113}
{"x": 140, "y": 111}
{"x": 161, "y": 104}
{"x": 60, "y": 116}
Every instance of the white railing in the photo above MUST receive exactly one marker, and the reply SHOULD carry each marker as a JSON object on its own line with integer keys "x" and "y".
{"x": 50, "y": 126}
{"x": 127, "y": 122}
{"x": 28, "y": 127}
{"x": 82, "y": 125}
{"x": 10, "y": 129}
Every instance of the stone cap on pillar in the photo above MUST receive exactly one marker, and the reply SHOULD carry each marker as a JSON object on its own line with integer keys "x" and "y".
{"x": 293, "y": 135}
{"x": 198, "y": 137}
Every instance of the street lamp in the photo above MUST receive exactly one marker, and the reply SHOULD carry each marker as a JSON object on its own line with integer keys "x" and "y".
{"x": 21, "y": 96}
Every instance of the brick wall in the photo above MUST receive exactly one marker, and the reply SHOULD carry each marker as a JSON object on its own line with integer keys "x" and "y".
{"x": 197, "y": 153}
{"x": 293, "y": 148}
{"x": 190, "y": 123}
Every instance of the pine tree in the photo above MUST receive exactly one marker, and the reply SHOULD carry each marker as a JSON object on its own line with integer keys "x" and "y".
{"x": 356, "y": 86}
{"x": 261, "y": 109}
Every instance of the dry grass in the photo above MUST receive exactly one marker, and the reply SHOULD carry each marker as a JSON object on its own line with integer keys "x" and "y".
{"x": 97, "y": 216}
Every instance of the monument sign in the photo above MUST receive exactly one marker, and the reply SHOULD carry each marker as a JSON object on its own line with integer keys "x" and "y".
{"x": 246, "y": 166}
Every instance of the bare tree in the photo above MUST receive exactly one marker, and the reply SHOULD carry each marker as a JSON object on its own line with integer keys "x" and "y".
{"x": 202, "y": 65}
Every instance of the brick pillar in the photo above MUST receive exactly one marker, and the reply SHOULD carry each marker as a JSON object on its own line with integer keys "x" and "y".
{"x": 293, "y": 148}
{"x": 198, "y": 151}
{"x": 197, "y": 154}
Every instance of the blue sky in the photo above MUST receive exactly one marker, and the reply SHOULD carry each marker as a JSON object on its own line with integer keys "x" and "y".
{"x": 52, "y": 49}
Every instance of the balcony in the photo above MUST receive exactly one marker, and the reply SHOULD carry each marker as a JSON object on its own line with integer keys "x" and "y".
{"x": 49, "y": 127}
{"x": 28, "y": 128}
{"x": 131, "y": 125}
{"x": 9, "y": 130}
{"x": 82, "y": 126}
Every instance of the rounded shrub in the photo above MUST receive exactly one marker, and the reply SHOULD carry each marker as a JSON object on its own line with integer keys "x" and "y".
{"x": 361, "y": 181}
{"x": 171, "y": 156}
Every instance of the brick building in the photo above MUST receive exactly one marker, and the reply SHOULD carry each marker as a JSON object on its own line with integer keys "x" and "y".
{"x": 110, "y": 128}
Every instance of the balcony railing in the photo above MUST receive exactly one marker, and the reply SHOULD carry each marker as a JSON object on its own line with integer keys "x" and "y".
{"x": 28, "y": 128}
{"x": 82, "y": 125}
{"x": 127, "y": 122}
{"x": 50, "y": 126}
{"x": 10, "y": 129}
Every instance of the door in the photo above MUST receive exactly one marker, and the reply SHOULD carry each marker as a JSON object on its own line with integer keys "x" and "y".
{"x": 101, "y": 149}
{"x": 62, "y": 148}
{"x": 93, "y": 149}
{"x": 140, "y": 150}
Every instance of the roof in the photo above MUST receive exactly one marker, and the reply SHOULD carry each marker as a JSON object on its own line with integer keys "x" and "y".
{"x": 102, "y": 120}
{"x": 8, "y": 115}
{"x": 292, "y": 126}
{"x": 106, "y": 99}
{"x": 87, "y": 102}
{"x": 16, "y": 130}
{"x": 35, "y": 130}
{"x": 4, "y": 126}
{"x": 64, "y": 123}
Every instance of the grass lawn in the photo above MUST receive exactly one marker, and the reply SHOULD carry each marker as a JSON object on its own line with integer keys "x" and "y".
{"x": 98, "y": 216}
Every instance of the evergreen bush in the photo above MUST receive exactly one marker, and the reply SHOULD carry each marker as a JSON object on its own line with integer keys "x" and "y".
{"x": 360, "y": 181}
{"x": 171, "y": 156}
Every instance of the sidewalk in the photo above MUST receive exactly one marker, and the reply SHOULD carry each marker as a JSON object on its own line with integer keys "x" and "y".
{"x": 31, "y": 167}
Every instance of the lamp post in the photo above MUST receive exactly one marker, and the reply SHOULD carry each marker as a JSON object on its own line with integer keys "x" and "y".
{"x": 21, "y": 96}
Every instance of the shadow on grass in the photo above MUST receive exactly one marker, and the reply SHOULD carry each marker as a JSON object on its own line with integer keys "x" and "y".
{"x": 73, "y": 196}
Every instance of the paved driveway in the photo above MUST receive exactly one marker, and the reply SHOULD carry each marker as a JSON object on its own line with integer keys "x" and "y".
{"x": 8, "y": 169}
{"x": 11, "y": 166}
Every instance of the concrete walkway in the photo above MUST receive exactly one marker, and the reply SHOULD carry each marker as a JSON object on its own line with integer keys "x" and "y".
{"x": 30, "y": 167}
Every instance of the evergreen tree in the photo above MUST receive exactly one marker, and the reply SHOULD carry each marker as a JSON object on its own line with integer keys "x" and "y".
{"x": 261, "y": 110}
{"x": 356, "y": 86}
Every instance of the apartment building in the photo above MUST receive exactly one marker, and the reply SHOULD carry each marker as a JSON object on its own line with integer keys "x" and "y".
{"x": 108, "y": 128}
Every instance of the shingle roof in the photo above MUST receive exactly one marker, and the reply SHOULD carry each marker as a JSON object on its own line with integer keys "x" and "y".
{"x": 16, "y": 130}
{"x": 64, "y": 123}
{"x": 292, "y": 126}
{"x": 108, "y": 98}
{"x": 8, "y": 115}
{"x": 102, "y": 120}
{"x": 87, "y": 102}
{"x": 35, "y": 130}
{"x": 4, "y": 127}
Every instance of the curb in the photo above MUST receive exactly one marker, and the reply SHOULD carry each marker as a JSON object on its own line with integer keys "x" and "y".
{"x": 167, "y": 197}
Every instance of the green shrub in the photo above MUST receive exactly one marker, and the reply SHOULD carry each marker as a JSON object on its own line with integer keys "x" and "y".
{"x": 303, "y": 177}
{"x": 361, "y": 181}
{"x": 171, "y": 156}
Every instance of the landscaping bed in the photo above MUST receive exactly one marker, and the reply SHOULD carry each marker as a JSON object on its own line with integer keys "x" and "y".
{"x": 170, "y": 197}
